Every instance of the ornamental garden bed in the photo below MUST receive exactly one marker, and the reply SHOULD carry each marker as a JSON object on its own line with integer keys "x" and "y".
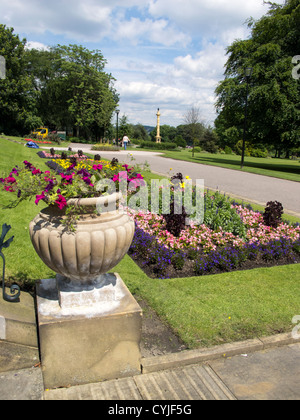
{"x": 232, "y": 237}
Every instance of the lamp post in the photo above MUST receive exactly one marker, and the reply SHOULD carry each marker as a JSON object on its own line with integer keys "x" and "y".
{"x": 248, "y": 74}
{"x": 117, "y": 139}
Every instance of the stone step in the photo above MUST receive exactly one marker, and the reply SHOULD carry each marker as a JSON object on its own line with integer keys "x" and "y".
{"x": 18, "y": 321}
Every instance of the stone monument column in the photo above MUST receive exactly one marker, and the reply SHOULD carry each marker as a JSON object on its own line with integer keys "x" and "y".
{"x": 158, "y": 137}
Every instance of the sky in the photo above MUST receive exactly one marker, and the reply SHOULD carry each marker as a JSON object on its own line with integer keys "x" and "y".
{"x": 167, "y": 54}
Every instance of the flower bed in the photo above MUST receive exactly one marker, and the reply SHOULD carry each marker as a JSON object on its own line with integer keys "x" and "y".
{"x": 199, "y": 250}
{"x": 46, "y": 155}
{"x": 39, "y": 141}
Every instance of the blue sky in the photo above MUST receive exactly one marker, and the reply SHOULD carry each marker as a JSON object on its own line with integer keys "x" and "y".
{"x": 166, "y": 54}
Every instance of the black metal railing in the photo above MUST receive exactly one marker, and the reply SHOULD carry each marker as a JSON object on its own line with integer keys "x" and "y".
{"x": 14, "y": 289}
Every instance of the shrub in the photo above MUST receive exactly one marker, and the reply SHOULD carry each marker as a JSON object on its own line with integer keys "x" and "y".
{"x": 179, "y": 140}
{"x": 218, "y": 213}
{"x": 105, "y": 147}
{"x": 273, "y": 214}
{"x": 158, "y": 146}
{"x": 197, "y": 149}
{"x": 53, "y": 137}
{"x": 178, "y": 260}
{"x": 175, "y": 223}
{"x": 228, "y": 150}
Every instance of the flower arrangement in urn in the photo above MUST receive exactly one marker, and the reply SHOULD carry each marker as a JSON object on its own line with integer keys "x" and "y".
{"x": 72, "y": 179}
{"x": 81, "y": 234}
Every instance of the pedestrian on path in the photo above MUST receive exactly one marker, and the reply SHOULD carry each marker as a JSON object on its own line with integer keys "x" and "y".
{"x": 125, "y": 141}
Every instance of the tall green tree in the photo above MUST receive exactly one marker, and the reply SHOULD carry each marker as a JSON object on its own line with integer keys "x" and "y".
{"x": 274, "y": 111}
{"x": 18, "y": 102}
{"x": 74, "y": 90}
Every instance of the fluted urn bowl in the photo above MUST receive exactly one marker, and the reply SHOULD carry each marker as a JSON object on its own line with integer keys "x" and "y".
{"x": 100, "y": 240}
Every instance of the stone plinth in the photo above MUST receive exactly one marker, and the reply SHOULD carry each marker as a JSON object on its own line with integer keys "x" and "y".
{"x": 88, "y": 335}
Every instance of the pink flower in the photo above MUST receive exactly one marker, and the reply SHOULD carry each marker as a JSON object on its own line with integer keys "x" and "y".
{"x": 40, "y": 197}
{"x": 97, "y": 167}
{"x": 36, "y": 172}
{"x": 9, "y": 189}
{"x": 68, "y": 178}
{"x": 61, "y": 202}
{"x": 10, "y": 180}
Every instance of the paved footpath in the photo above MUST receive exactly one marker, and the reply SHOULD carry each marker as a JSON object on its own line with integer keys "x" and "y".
{"x": 266, "y": 368}
{"x": 258, "y": 189}
{"x": 252, "y": 370}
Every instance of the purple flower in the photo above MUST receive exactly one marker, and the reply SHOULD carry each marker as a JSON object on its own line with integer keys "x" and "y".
{"x": 67, "y": 178}
{"x": 50, "y": 186}
{"x": 28, "y": 164}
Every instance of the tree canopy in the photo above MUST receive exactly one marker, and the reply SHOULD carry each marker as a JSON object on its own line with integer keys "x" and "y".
{"x": 274, "y": 111}
{"x": 65, "y": 86}
{"x": 17, "y": 99}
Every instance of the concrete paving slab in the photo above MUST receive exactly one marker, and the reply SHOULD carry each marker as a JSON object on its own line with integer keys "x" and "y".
{"x": 191, "y": 383}
{"x": 18, "y": 321}
{"x": 16, "y": 357}
{"x": 272, "y": 374}
{"x": 22, "y": 385}
{"x": 118, "y": 390}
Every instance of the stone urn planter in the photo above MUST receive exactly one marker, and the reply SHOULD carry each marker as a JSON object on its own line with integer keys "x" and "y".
{"x": 99, "y": 243}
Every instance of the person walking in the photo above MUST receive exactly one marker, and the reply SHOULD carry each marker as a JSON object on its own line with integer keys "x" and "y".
{"x": 125, "y": 141}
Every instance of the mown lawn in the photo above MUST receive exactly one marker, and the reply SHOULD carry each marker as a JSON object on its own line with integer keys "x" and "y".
{"x": 202, "y": 310}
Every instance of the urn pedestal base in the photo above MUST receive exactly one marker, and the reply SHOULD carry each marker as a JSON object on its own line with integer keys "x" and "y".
{"x": 88, "y": 335}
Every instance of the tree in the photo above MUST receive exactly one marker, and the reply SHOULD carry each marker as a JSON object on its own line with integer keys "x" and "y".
{"x": 139, "y": 132}
{"x": 73, "y": 88}
{"x": 125, "y": 128}
{"x": 274, "y": 112}
{"x": 18, "y": 106}
{"x": 192, "y": 119}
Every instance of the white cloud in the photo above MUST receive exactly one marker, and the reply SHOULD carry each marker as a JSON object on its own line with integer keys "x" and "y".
{"x": 164, "y": 53}
{"x": 211, "y": 17}
{"x": 36, "y": 45}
